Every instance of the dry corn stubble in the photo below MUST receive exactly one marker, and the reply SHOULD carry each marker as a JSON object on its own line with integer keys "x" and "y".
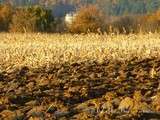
{"x": 36, "y": 50}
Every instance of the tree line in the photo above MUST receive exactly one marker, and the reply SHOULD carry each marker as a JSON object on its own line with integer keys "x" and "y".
{"x": 89, "y": 18}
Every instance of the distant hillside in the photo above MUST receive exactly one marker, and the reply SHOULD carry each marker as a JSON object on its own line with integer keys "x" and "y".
{"x": 110, "y": 7}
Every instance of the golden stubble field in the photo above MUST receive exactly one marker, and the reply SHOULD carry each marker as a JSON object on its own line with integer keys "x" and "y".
{"x": 35, "y": 50}
{"x": 79, "y": 77}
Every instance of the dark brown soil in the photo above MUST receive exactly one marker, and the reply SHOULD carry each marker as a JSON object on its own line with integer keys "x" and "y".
{"x": 115, "y": 90}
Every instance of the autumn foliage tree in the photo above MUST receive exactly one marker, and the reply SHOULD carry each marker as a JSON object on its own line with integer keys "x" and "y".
{"x": 88, "y": 19}
{"x": 31, "y": 19}
{"x": 6, "y": 12}
{"x": 23, "y": 21}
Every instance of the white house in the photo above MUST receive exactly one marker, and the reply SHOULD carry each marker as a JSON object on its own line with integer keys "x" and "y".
{"x": 69, "y": 17}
